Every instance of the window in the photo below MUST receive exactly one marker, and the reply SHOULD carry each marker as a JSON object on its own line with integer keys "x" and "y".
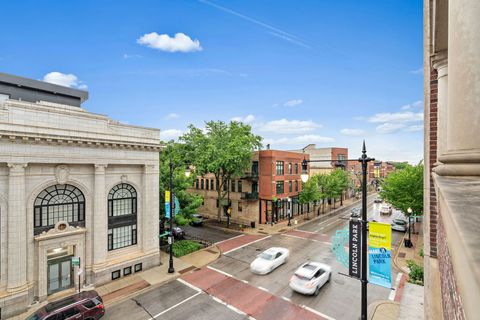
{"x": 122, "y": 216}
{"x": 254, "y": 187}
{"x": 296, "y": 168}
{"x": 212, "y": 185}
{"x": 70, "y": 312}
{"x": 122, "y": 237}
{"x": 127, "y": 271}
{"x": 232, "y": 184}
{"x": 290, "y": 186}
{"x": 255, "y": 168}
{"x": 280, "y": 187}
{"x": 280, "y": 168}
{"x": 225, "y": 185}
{"x": 4, "y": 97}
{"x": 61, "y": 202}
{"x": 202, "y": 184}
{"x": 290, "y": 168}
{"x": 206, "y": 184}
{"x": 240, "y": 206}
{"x": 138, "y": 267}
{"x": 217, "y": 184}
{"x": 196, "y": 184}
{"x": 115, "y": 274}
{"x": 239, "y": 188}
{"x": 296, "y": 186}
{"x": 217, "y": 203}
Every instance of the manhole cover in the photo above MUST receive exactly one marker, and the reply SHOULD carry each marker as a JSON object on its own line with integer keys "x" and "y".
{"x": 340, "y": 282}
{"x": 258, "y": 249}
{"x": 401, "y": 255}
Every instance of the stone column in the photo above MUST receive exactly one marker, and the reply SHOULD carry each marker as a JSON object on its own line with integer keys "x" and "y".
{"x": 440, "y": 63}
{"x": 463, "y": 142}
{"x": 150, "y": 214}
{"x": 100, "y": 218}
{"x": 17, "y": 228}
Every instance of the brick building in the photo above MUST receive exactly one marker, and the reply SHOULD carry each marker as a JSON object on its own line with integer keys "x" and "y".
{"x": 452, "y": 159}
{"x": 274, "y": 175}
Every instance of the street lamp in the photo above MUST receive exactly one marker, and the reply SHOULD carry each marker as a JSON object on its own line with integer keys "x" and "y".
{"x": 289, "y": 211}
{"x": 409, "y": 243}
{"x": 171, "y": 269}
{"x": 364, "y": 159}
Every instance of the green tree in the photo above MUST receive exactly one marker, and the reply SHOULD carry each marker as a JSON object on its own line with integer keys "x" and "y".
{"x": 404, "y": 189}
{"x": 310, "y": 192}
{"x": 189, "y": 202}
{"x": 340, "y": 183}
{"x": 223, "y": 149}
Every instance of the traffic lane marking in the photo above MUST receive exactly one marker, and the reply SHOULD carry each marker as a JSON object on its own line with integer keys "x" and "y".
{"x": 307, "y": 235}
{"x": 247, "y": 243}
{"x": 289, "y": 235}
{"x": 219, "y": 242}
{"x": 176, "y": 305}
{"x": 237, "y": 242}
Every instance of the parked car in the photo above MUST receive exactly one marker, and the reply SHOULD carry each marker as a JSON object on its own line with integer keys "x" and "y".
{"x": 378, "y": 200}
{"x": 356, "y": 213}
{"x": 386, "y": 209}
{"x": 310, "y": 278}
{"x": 86, "y": 305}
{"x": 197, "y": 220}
{"x": 178, "y": 233}
{"x": 268, "y": 260}
{"x": 399, "y": 225}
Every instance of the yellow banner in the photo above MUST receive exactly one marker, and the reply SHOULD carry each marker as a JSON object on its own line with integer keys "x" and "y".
{"x": 379, "y": 235}
{"x": 167, "y": 196}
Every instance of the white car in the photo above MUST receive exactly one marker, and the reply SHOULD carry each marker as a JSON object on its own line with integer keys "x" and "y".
{"x": 310, "y": 277}
{"x": 386, "y": 209}
{"x": 268, "y": 260}
{"x": 399, "y": 225}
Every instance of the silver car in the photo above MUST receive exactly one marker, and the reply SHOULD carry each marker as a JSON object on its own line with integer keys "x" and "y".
{"x": 310, "y": 278}
{"x": 399, "y": 225}
{"x": 269, "y": 260}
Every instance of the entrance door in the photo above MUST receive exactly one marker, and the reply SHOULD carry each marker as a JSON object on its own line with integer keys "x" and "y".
{"x": 60, "y": 274}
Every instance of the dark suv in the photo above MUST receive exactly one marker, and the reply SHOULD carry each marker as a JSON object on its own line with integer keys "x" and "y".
{"x": 86, "y": 305}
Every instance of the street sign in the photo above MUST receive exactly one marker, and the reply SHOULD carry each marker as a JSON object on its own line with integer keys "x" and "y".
{"x": 79, "y": 272}
{"x": 170, "y": 240}
{"x": 354, "y": 257}
{"x": 75, "y": 261}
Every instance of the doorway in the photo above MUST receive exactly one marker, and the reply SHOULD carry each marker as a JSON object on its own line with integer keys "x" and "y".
{"x": 59, "y": 271}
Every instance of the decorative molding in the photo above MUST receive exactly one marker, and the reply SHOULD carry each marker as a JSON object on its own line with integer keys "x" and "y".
{"x": 62, "y": 173}
{"x": 124, "y": 178}
{"x": 100, "y": 168}
{"x": 17, "y": 168}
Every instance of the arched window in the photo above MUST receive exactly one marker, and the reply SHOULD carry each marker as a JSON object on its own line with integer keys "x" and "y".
{"x": 61, "y": 202}
{"x": 122, "y": 216}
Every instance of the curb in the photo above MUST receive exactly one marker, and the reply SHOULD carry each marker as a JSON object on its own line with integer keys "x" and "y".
{"x": 372, "y": 307}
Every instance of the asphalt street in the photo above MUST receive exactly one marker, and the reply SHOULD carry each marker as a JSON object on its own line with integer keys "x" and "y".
{"x": 208, "y": 234}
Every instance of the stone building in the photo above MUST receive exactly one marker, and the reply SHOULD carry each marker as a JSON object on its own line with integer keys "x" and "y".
{"x": 452, "y": 159}
{"x": 72, "y": 184}
{"x": 332, "y": 158}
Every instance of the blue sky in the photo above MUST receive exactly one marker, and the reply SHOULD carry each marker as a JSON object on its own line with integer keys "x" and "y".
{"x": 325, "y": 72}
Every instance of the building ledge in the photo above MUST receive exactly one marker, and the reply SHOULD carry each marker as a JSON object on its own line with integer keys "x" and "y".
{"x": 460, "y": 211}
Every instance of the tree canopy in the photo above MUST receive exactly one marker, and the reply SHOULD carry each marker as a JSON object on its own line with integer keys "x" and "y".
{"x": 223, "y": 149}
{"x": 403, "y": 189}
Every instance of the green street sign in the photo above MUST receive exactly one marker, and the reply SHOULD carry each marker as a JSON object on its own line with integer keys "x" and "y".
{"x": 164, "y": 234}
{"x": 75, "y": 261}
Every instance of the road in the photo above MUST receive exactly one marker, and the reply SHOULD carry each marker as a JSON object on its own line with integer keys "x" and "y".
{"x": 208, "y": 234}
{"x": 226, "y": 289}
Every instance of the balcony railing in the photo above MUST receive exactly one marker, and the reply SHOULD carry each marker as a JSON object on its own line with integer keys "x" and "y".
{"x": 249, "y": 196}
{"x": 250, "y": 175}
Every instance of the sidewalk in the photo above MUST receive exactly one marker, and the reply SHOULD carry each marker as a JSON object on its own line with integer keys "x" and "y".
{"x": 126, "y": 287}
{"x": 404, "y": 254}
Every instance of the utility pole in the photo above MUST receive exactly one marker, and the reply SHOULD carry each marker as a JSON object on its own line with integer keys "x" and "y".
{"x": 170, "y": 262}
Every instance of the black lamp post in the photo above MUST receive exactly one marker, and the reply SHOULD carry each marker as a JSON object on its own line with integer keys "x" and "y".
{"x": 409, "y": 243}
{"x": 364, "y": 159}
{"x": 289, "y": 212}
{"x": 171, "y": 269}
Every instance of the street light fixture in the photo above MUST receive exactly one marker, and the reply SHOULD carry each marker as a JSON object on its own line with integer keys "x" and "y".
{"x": 171, "y": 269}
{"x": 409, "y": 243}
{"x": 289, "y": 211}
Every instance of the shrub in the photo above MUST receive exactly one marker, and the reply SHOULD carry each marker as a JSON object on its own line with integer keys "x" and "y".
{"x": 183, "y": 247}
{"x": 180, "y": 220}
{"x": 416, "y": 273}
{"x": 421, "y": 253}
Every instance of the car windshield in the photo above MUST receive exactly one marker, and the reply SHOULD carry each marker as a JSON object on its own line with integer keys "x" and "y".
{"x": 266, "y": 256}
{"x": 399, "y": 222}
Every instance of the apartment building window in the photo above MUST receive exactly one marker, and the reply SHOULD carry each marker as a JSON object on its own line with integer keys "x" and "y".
{"x": 217, "y": 203}
{"x": 290, "y": 186}
{"x": 202, "y": 186}
{"x": 255, "y": 167}
{"x": 296, "y": 168}
{"x": 232, "y": 183}
{"x": 290, "y": 168}
{"x": 240, "y": 206}
{"x": 197, "y": 184}
{"x": 217, "y": 184}
{"x": 212, "y": 185}
{"x": 255, "y": 186}
{"x": 239, "y": 188}
{"x": 206, "y": 184}
{"x": 296, "y": 186}
{"x": 280, "y": 187}
{"x": 280, "y": 170}
{"x": 225, "y": 185}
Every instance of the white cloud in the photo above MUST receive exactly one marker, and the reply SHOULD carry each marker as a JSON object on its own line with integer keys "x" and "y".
{"x": 396, "y": 117}
{"x": 169, "y": 134}
{"x": 417, "y": 71}
{"x": 293, "y": 103}
{"x": 163, "y": 42}
{"x": 416, "y": 104}
{"x": 284, "y": 126}
{"x": 352, "y": 132}
{"x": 63, "y": 79}
{"x": 389, "y": 127}
{"x": 414, "y": 128}
{"x": 130, "y": 56}
{"x": 247, "y": 119}
{"x": 171, "y": 116}
{"x": 298, "y": 141}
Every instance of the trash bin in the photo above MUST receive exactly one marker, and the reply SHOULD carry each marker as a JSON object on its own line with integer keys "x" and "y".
{"x": 252, "y": 224}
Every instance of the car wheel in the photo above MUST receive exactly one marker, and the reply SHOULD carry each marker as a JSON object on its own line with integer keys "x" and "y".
{"x": 317, "y": 291}
{"x": 329, "y": 277}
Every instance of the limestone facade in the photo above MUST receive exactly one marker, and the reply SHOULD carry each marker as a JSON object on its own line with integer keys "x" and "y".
{"x": 47, "y": 145}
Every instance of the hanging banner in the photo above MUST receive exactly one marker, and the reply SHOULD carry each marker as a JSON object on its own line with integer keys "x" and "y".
{"x": 176, "y": 205}
{"x": 379, "y": 254}
{"x": 354, "y": 265}
{"x": 167, "y": 204}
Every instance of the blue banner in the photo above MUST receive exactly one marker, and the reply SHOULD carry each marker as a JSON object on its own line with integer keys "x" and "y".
{"x": 167, "y": 210}
{"x": 380, "y": 266}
